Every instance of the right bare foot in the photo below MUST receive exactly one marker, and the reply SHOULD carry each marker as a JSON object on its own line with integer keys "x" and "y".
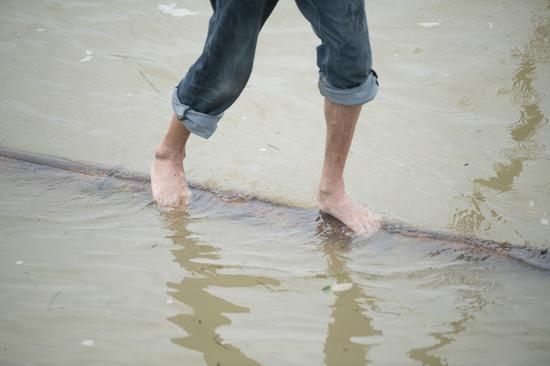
{"x": 358, "y": 218}
{"x": 168, "y": 184}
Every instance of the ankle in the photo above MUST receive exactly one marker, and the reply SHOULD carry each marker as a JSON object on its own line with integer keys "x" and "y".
{"x": 163, "y": 153}
{"x": 330, "y": 192}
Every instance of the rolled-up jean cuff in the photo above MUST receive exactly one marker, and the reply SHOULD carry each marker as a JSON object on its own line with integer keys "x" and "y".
{"x": 200, "y": 124}
{"x": 360, "y": 94}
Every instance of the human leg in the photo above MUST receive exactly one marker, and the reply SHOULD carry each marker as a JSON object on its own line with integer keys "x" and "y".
{"x": 347, "y": 81}
{"x": 168, "y": 184}
{"x": 217, "y": 78}
{"x": 332, "y": 197}
{"x": 210, "y": 86}
{"x": 344, "y": 56}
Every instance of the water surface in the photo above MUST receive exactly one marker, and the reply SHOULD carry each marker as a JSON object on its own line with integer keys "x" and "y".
{"x": 87, "y": 261}
{"x": 457, "y": 139}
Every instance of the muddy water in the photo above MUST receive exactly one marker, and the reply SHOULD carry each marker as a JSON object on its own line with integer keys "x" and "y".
{"x": 114, "y": 282}
{"x": 456, "y": 140}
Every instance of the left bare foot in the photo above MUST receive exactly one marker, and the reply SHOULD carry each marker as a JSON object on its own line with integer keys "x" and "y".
{"x": 168, "y": 184}
{"x": 358, "y": 218}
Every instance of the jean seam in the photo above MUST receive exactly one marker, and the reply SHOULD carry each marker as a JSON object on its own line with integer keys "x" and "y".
{"x": 321, "y": 32}
{"x": 329, "y": 60}
{"x": 207, "y": 51}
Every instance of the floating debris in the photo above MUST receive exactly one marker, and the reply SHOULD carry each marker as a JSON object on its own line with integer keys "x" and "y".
{"x": 172, "y": 10}
{"x": 169, "y": 301}
{"x": 40, "y": 29}
{"x": 263, "y": 149}
{"x": 341, "y": 287}
{"x": 338, "y": 287}
{"x": 531, "y": 203}
{"x": 19, "y": 262}
{"x": 88, "y": 56}
{"x": 88, "y": 343}
{"x": 544, "y": 221}
{"x": 429, "y": 24}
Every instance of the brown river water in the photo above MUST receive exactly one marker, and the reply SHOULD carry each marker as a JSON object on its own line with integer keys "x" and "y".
{"x": 457, "y": 140}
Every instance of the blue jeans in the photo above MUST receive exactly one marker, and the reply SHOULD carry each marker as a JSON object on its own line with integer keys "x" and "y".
{"x": 219, "y": 75}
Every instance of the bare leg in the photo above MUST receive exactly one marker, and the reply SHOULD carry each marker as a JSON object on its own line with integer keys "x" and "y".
{"x": 341, "y": 121}
{"x": 168, "y": 183}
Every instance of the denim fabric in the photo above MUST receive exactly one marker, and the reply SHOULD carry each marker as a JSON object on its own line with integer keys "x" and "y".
{"x": 201, "y": 124}
{"x": 217, "y": 78}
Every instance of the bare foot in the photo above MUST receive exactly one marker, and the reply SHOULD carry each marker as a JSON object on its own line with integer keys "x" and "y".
{"x": 358, "y": 218}
{"x": 168, "y": 183}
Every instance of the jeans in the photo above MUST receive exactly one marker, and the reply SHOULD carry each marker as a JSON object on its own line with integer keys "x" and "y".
{"x": 218, "y": 76}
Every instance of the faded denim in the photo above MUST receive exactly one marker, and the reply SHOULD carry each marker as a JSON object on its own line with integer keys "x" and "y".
{"x": 217, "y": 78}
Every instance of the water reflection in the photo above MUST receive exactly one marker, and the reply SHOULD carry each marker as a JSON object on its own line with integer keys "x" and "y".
{"x": 423, "y": 354}
{"x": 470, "y": 219}
{"x": 208, "y": 309}
{"x": 349, "y": 319}
{"x": 351, "y": 334}
{"x": 470, "y": 285}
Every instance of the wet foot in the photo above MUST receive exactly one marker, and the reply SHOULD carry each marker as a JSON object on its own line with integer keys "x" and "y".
{"x": 168, "y": 184}
{"x": 358, "y": 218}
